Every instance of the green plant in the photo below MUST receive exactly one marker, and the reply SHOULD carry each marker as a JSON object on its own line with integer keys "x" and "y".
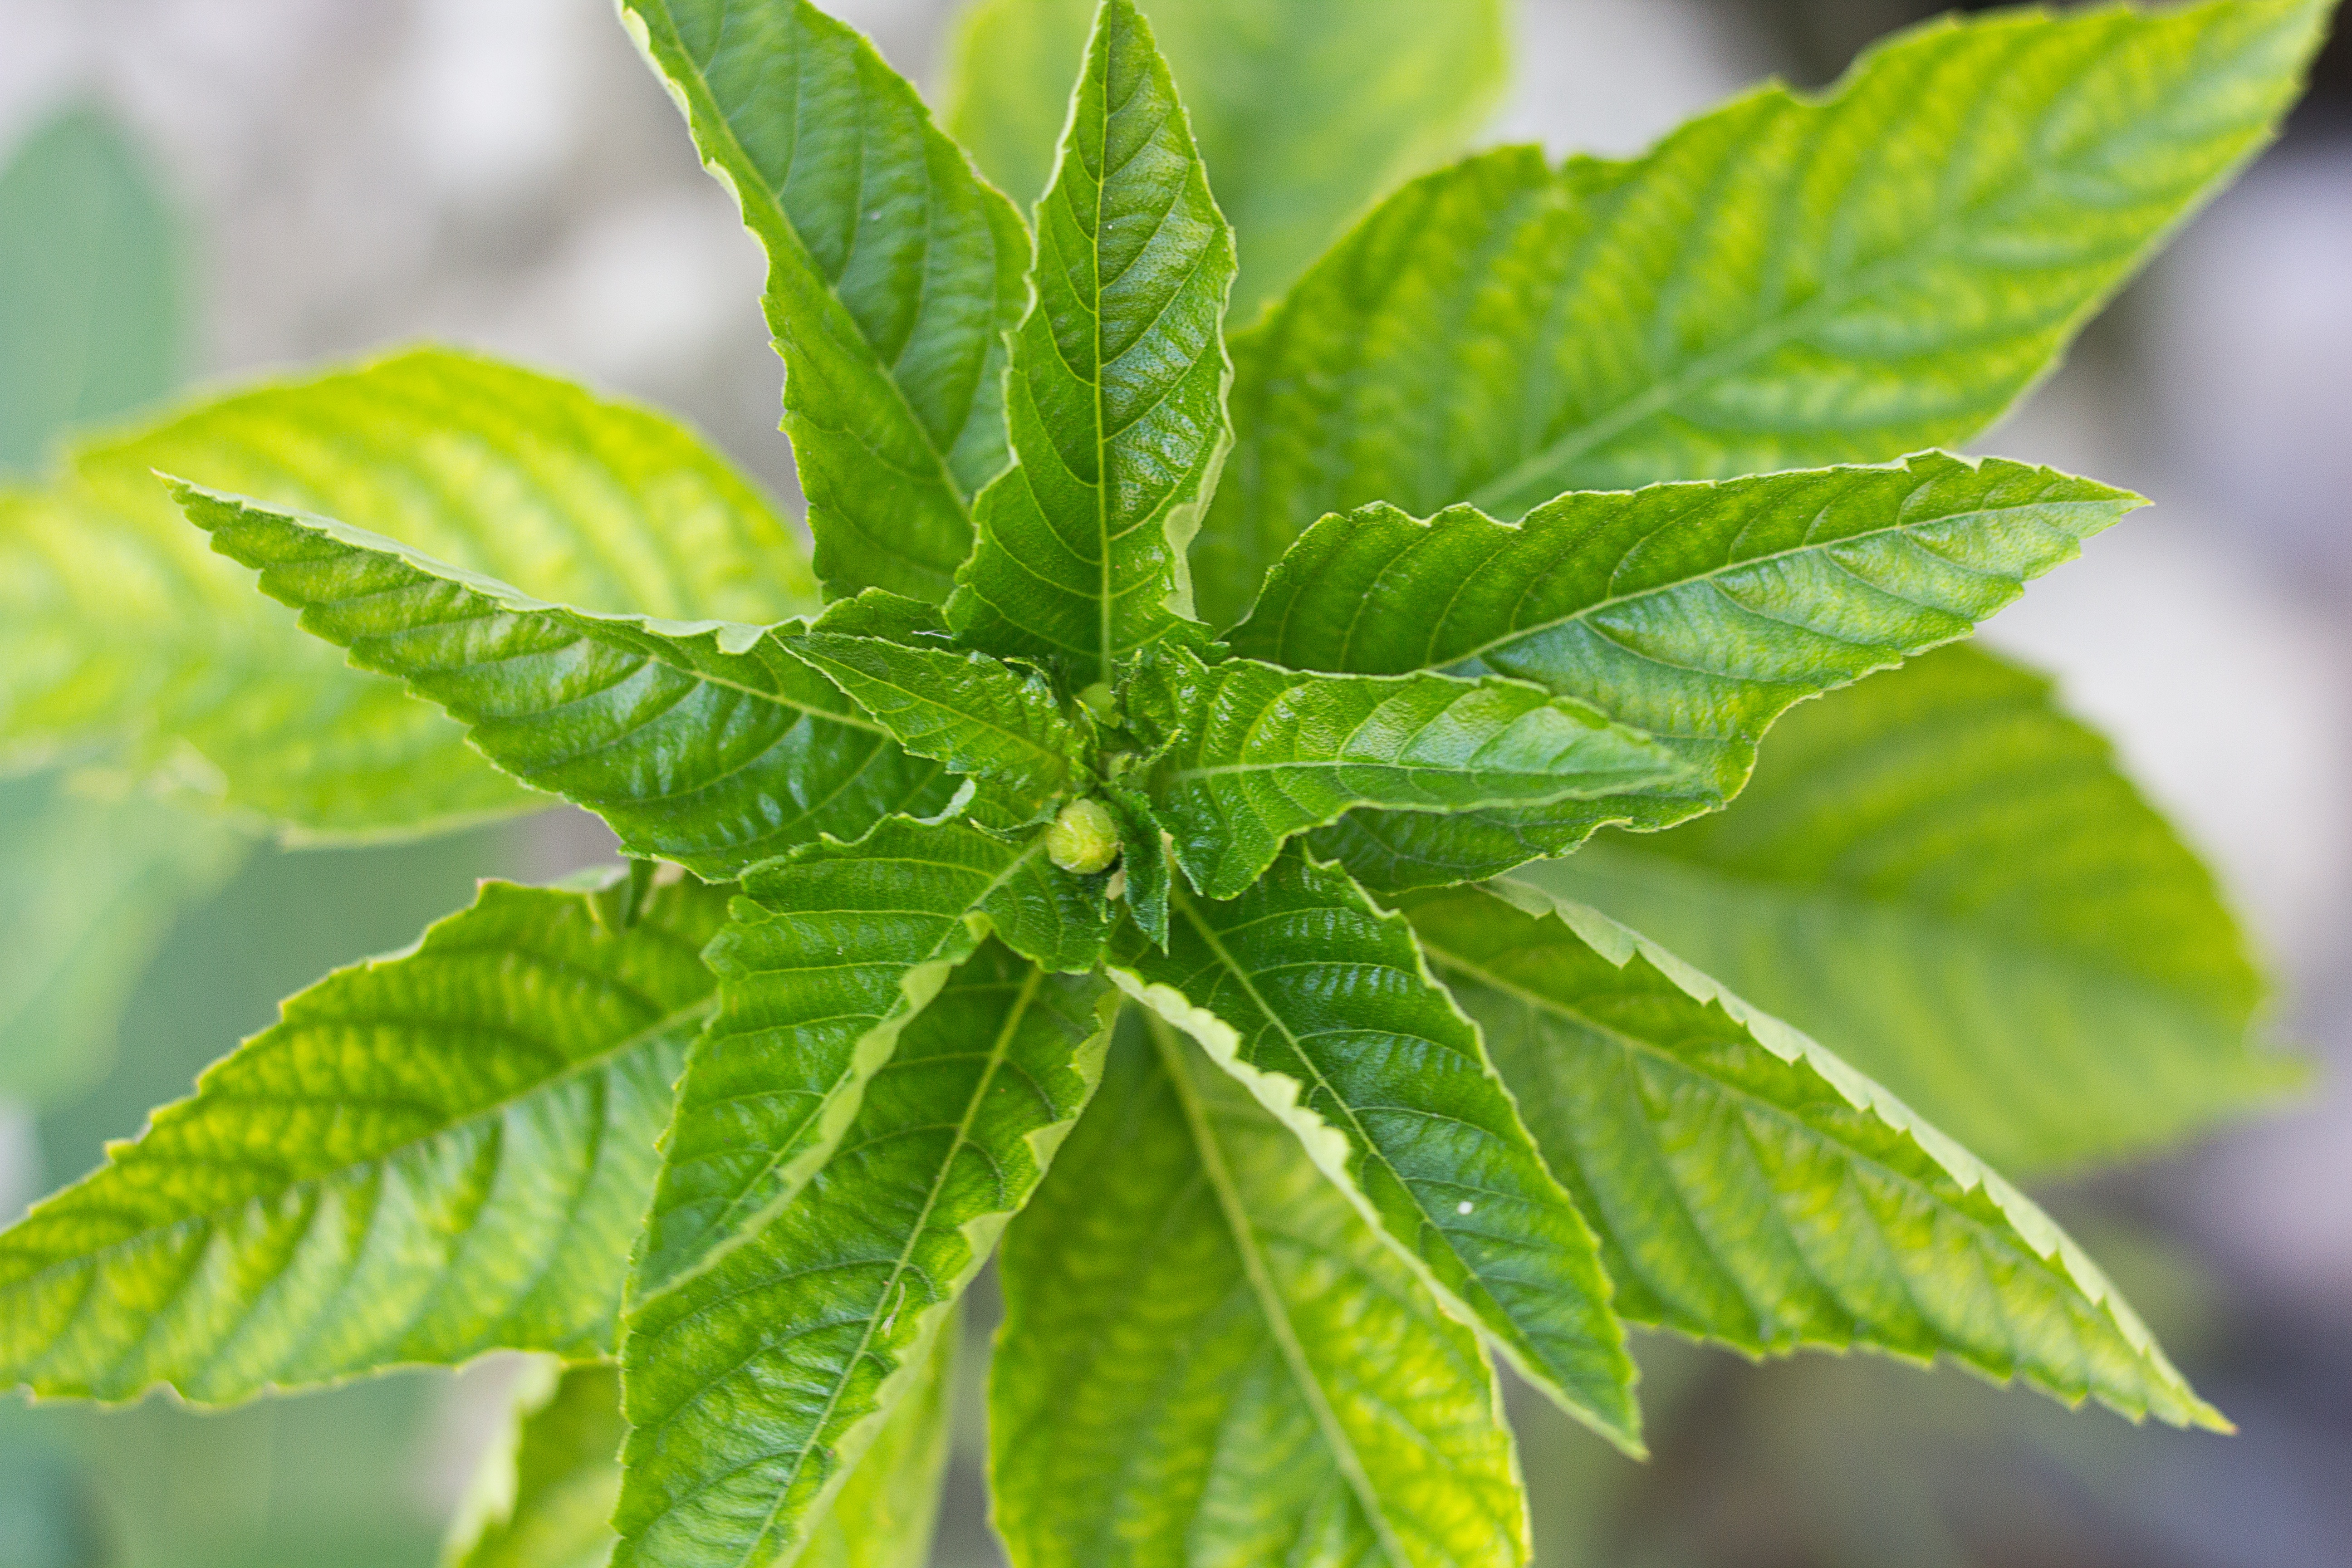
{"x": 1090, "y": 715}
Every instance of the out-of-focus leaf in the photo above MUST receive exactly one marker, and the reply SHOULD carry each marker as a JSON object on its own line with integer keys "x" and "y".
{"x": 91, "y": 884}
{"x": 1787, "y": 282}
{"x": 1944, "y": 879}
{"x": 1306, "y": 111}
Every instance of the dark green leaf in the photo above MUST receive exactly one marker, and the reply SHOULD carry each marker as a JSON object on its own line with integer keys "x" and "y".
{"x": 1944, "y": 878}
{"x": 754, "y": 1382}
{"x": 433, "y": 1156}
{"x": 1253, "y": 753}
{"x": 704, "y": 743}
{"x": 1696, "y": 612}
{"x": 1319, "y": 1002}
{"x": 1787, "y": 282}
{"x": 1752, "y": 1188}
{"x": 1116, "y": 401}
{"x": 893, "y": 275}
{"x": 1209, "y": 1357}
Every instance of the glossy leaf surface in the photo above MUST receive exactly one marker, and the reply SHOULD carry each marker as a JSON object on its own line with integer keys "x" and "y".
{"x": 1942, "y": 877}
{"x": 1787, "y": 282}
{"x": 976, "y": 715}
{"x": 1209, "y": 1356}
{"x": 754, "y": 1382}
{"x": 432, "y": 1155}
{"x": 571, "y": 497}
{"x": 1116, "y": 402}
{"x": 1696, "y": 611}
{"x": 1318, "y": 1002}
{"x": 1304, "y": 111}
{"x": 893, "y": 275}
{"x": 829, "y": 953}
{"x": 704, "y": 743}
{"x": 1253, "y": 753}
{"x": 1750, "y": 1187}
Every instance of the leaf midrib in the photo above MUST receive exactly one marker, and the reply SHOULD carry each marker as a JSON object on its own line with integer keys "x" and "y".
{"x": 1276, "y": 1313}
{"x": 582, "y": 1067}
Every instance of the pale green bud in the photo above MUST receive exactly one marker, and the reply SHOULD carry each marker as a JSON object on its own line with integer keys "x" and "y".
{"x": 1084, "y": 838}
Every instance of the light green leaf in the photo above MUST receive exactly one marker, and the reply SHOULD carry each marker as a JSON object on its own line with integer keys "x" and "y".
{"x": 1304, "y": 111}
{"x": 1209, "y": 1357}
{"x": 1696, "y": 612}
{"x": 1944, "y": 878}
{"x": 830, "y": 952}
{"x": 432, "y": 1155}
{"x": 1254, "y": 753}
{"x": 547, "y": 1485}
{"x": 1116, "y": 401}
{"x": 1787, "y": 282}
{"x": 92, "y": 884}
{"x": 1751, "y": 1187}
{"x": 1318, "y": 1002}
{"x": 571, "y": 498}
{"x": 706, "y": 742}
{"x": 893, "y": 275}
{"x": 754, "y": 1382}
{"x": 975, "y": 714}
{"x": 92, "y": 291}
{"x": 545, "y": 1497}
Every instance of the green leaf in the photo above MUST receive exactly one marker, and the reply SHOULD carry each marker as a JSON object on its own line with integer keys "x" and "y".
{"x": 1751, "y": 1187}
{"x": 1209, "y": 1357}
{"x": 1696, "y": 611}
{"x": 975, "y": 714}
{"x": 1254, "y": 753}
{"x": 432, "y": 1155}
{"x": 1116, "y": 401}
{"x": 705, "y": 743}
{"x": 1304, "y": 111}
{"x": 546, "y": 1494}
{"x": 829, "y": 955}
{"x": 1944, "y": 878}
{"x": 1787, "y": 282}
{"x": 92, "y": 291}
{"x": 1145, "y": 863}
{"x": 1318, "y": 1002}
{"x": 755, "y": 1382}
{"x": 92, "y": 886}
{"x": 546, "y": 1488}
{"x": 571, "y": 498}
{"x": 893, "y": 275}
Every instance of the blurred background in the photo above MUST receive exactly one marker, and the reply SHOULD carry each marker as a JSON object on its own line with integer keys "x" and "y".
{"x": 319, "y": 179}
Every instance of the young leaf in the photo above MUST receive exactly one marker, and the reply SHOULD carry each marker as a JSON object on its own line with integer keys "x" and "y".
{"x": 704, "y": 743}
{"x": 754, "y": 1382}
{"x": 829, "y": 955}
{"x": 975, "y": 714}
{"x": 432, "y": 1155}
{"x": 1787, "y": 282}
{"x": 1116, "y": 401}
{"x": 1696, "y": 612}
{"x": 1144, "y": 860}
{"x": 1254, "y": 753}
{"x": 893, "y": 275}
{"x": 1318, "y": 1002}
{"x": 1944, "y": 878}
{"x": 92, "y": 886}
{"x": 1304, "y": 111}
{"x": 93, "y": 285}
{"x": 573, "y": 498}
{"x": 1752, "y": 1188}
{"x": 1208, "y": 1356}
